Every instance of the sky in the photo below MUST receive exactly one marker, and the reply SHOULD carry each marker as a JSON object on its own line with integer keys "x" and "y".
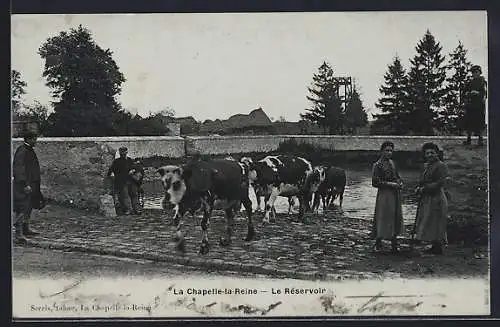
{"x": 216, "y": 65}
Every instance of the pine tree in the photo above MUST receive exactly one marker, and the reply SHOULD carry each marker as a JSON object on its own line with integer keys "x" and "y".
{"x": 394, "y": 119}
{"x": 450, "y": 118}
{"x": 84, "y": 80}
{"x": 327, "y": 106}
{"x": 426, "y": 85}
{"x": 355, "y": 113}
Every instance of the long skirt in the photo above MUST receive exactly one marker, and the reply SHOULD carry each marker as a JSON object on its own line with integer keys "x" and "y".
{"x": 432, "y": 216}
{"x": 388, "y": 218}
{"x": 475, "y": 116}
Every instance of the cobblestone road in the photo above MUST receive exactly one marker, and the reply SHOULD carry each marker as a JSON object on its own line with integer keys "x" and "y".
{"x": 332, "y": 246}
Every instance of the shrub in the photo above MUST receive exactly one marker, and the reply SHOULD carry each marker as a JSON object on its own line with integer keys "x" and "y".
{"x": 292, "y": 146}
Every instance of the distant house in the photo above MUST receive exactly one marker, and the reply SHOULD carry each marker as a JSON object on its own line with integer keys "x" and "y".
{"x": 256, "y": 122}
{"x": 188, "y": 125}
{"x": 211, "y": 127}
{"x": 174, "y": 128}
{"x": 20, "y": 127}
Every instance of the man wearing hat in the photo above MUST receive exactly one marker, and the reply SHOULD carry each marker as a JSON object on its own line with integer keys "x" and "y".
{"x": 475, "y": 105}
{"x": 26, "y": 187}
{"x": 123, "y": 187}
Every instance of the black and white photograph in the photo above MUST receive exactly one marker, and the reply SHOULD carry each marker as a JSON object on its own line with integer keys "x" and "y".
{"x": 250, "y": 165}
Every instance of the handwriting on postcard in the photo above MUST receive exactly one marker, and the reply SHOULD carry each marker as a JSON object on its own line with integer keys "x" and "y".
{"x": 216, "y": 300}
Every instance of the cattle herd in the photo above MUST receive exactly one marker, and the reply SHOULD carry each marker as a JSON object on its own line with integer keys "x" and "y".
{"x": 198, "y": 184}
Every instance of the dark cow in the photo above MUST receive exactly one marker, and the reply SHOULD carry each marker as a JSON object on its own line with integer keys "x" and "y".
{"x": 333, "y": 185}
{"x": 245, "y": 165}
{"x": 197, "y": 185}
{"x": 283, "y": 175}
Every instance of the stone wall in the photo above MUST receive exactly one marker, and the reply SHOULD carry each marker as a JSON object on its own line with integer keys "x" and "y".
{"x": 73, "y": 169}
{"x": 210, "y": 145}
{"x": 232, "y": 144}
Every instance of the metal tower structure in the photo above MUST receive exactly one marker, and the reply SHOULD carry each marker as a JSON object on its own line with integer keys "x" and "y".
{"x": 345, "y": 84}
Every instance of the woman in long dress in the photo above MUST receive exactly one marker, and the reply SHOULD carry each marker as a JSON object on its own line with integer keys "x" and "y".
{"x": 432, "y": 211}
{"x": 388, "y": 218}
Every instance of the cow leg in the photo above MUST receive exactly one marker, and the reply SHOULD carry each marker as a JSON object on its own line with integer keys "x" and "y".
{"x": 266, "y": 198}
{"x": 302, "y": 200}
{"x": 164, "y": 205}
{"x": 179, "y": 235}
{"x": 225, "y": 241}
{"x": 306, "y": 202}
{"x": 324, "y": 199}
{"x": 237, "y": 208}
{"x": 341, "y": 197}
{"x": 331, "y": 197}
{"x": 291, "y": 202}
{"x": 270, "y": 205}
{"x": 205, "y": 222}
{"x": 251, "y": 230}
{"x": 176, "y": 213}
{"x": 316, "y": 201}
{"x": 273, "y": 209}
{"x": 319, "y": 201}
{"x": 257, "y": 197}
{"x": 210, "y": 208}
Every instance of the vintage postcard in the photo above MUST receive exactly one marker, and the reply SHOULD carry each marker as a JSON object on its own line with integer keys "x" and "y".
{"x": 250, "y": 165}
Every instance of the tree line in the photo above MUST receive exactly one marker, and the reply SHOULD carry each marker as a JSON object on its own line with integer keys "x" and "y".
{"x": 427, "y": 99}
{"x": 85, "y": 80}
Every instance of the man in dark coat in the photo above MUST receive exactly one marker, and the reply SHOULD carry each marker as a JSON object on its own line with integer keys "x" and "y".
{"x": 123, "y": 183}
{"x": 26, "y": 187}
{"x": 475, "y": 105}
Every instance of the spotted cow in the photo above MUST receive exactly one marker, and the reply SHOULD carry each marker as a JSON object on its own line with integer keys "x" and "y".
{"x": 284, "y": 175}
{"x": 261, "y": 192}
{"x": 198, "y": 185}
